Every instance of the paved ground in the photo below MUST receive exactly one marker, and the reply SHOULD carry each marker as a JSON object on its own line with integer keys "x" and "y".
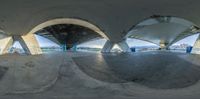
{"x": 157, "y": 75}
{"x": 163, "y": 70}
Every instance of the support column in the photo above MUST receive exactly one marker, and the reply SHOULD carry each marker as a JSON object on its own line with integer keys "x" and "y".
{"x": 107, "y": 47}
{"x": 164, "y": 45}
{"x": 124, "y": 46}
{"x": 22, "y": 43}
{"x": 196, "y": 47}
{"x": 30, "y": 44}
{"x": 5, "y": 44}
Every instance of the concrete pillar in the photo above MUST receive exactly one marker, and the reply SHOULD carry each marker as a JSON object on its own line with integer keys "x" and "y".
{"x": 30, "y": 44}
{"x": 196, "y": 47}
{"x": 163, "y": 45}
{"x": 22, "y": 43}
{"x": 124, "y": 46}
{"x": 107, "y": 47}
{"x": 5, "y": 44}
{"x": 74, "y": 47}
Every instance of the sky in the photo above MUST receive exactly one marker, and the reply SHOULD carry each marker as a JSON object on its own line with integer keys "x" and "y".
{"x": 135, "y": 42}
{"x": 188, "y": 40}
{"x": 44, "y": 42}
{"x": 17, "y": 45}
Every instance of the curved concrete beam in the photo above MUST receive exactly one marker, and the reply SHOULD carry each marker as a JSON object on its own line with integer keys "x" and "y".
{"x": 5, "y": 44}
{"x": 30, "y": 44}
{"x": 69, "y": 21}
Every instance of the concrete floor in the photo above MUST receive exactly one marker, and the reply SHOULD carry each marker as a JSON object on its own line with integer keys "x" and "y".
{"x": 162, "y": 70}
{"x": 149, "y": 75}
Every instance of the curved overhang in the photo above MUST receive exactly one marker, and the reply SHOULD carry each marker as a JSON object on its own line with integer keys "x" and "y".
{"x": 69, "y": 21}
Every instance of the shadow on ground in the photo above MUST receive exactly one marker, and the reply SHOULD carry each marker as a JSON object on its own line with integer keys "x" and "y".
{"x": 160, "y": 70}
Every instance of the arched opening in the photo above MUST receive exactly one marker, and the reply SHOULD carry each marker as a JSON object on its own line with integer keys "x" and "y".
{"x": 163, "y": 30}
{"x": 68, "y": 33}
{"x": 71, "y": 21}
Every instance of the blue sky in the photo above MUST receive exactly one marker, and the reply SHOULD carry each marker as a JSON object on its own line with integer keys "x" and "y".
{"x": 17, "y": 45}
{"x": 135, "y": 42}
{"x": 188, "y": 40}
{"x": 43, "y": 42}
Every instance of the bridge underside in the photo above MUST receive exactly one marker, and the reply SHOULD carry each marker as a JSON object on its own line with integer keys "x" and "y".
{"x": 159, "y": 74}
{"x": 68, "y": 34}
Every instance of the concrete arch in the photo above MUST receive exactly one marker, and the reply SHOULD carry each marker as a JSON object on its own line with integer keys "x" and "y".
{"x": 73, "y": 21}
{"x": 29, "y": 37}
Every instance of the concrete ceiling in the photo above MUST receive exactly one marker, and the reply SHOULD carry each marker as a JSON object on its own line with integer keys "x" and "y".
{"x": 159, "y": 32}
{"x": 68, "y": 34}
{"x": 114, "y": 17}
{"x": 163, "y": 30}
